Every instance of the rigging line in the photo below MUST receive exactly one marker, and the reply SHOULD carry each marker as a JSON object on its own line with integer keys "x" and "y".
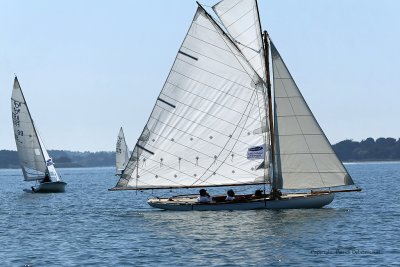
{"x": 212, "y": 87}
{"x": 161, "y": 177}
{"x": 226, "y": 10}
{"x": 234, "y": 131}
{"x": 211, "y": 44}
{"x": 195, "y": 122}
{"x": 203, "y": 112}
{"x": 297, "y": 120}
{"x": 212, "y": 31}
{"x": 202, "y": 125}
{"x": 219, "y": 76}
{"x": 257, "y": 52}
{"x": 152, "y": 171}
{"x": 251, "y": 173}
{"x": 189, "y": 175}
{"x": 199, "y": 152}
{"x": 239, "y": 18}
{"x": 213, "y": 103}
{"x": 202, "y": 97}
{"x": 248, "y": 47}
{"x": 245, "y": 31}
{"x": 213, "y": 59}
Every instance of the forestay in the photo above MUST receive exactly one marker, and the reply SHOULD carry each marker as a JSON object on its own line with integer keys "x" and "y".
{"x": 210, "y": 111}
{"x": 32, "y": 154}
{"x": 121, "y": 152}
{"x": 304, "y": 156}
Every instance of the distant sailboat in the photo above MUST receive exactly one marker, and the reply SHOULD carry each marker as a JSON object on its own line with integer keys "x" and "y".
{"x": 217, "y": 123}
{"x": 121, "y": 153}
{"x": 35, "y": 162}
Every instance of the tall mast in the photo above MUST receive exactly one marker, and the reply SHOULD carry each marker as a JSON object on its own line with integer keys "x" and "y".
{"x": 269, "y": 94}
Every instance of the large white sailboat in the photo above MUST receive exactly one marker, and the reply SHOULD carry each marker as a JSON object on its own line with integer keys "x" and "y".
{"x": 218, "y": 122}
{"x": 35, "y": 162}
{"x": 121, "y": 153}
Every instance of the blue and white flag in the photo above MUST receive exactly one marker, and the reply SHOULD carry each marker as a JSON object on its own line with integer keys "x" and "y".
{"x": 256, "y": 152}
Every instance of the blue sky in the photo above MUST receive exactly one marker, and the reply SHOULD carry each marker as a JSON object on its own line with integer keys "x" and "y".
{"x": 89, "y": 67}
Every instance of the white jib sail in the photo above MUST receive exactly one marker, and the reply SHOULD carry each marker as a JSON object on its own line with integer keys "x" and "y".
{"x": 209, "y": 112}
{"x": 304, "y": 156}
{"x": 31, "y": 151}
{"x": 121, "y": 153}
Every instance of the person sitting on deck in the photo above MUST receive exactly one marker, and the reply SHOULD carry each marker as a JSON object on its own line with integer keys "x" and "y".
{"x": 204, "y": 196}
{"x": 258, "y": 193}
{"x": 276, "y": 194}
{"x": 230, "y": 195}
{"x": 46, "y": 178}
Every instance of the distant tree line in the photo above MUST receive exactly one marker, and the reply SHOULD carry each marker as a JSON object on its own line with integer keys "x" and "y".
{"x": 381, "y": 149}
{"x": 63, "y": 159}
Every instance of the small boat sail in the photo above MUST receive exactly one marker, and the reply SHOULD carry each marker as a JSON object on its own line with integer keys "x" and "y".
{"x": 121, "y": 153}
{"x": 35, "y": 162}
{"x": 219, "y": 122}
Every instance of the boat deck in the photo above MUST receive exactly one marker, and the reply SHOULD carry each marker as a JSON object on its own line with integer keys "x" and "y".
{"x": 192, "y": 199}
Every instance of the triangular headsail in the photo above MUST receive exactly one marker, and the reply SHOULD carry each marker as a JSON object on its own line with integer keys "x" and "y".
{"x": 304, "y": 157}
{"x": 121, "y": 153}
{"x": 34, "y": 160}
{"x": 209, "y": 112}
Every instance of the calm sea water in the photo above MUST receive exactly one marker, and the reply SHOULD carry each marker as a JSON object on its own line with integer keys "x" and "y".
{"x": 88, "y": 225}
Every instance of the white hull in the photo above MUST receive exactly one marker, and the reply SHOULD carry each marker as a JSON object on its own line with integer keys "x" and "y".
{"x": 289, "y": 201}
{"x": 52, "y": 187}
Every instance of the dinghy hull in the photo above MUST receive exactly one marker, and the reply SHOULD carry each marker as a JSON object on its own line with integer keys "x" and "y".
{"x": 52, "y": 187}
{"x": 289, "y": 201}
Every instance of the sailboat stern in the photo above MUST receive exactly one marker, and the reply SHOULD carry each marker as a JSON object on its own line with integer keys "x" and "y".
{"x": 51, "y": 187}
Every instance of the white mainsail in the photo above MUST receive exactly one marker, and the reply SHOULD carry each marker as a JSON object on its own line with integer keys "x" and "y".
{"x": 34, "y": 159}
{"x": 209, "y": 112}
{"x": 121, "y": 152}
{"x": 304, "y": 157}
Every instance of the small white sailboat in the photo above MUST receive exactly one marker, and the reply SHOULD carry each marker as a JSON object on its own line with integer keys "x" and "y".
{"x": 35, "y": 162}
{"x": 121, "y": 153}
{"x": 219, "y": 122}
